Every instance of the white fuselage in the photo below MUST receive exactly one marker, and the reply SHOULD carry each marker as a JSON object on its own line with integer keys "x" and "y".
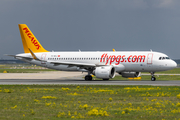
{"x": 125, "y": 61}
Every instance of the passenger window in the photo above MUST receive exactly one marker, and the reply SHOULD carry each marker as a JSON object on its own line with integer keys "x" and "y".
{"x": 159, "y": 58}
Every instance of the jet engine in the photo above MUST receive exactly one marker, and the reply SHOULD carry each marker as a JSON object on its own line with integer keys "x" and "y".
{"x": 130, "y": 74}
{"x": 104, "y": 72}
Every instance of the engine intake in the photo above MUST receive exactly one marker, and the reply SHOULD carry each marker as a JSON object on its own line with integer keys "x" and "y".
{"x": 105, "y": 72}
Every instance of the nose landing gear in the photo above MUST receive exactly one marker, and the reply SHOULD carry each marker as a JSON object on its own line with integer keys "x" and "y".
{"x": 153, "y": 78}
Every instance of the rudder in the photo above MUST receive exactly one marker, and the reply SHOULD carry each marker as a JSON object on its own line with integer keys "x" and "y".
{"x": 29, "y": 40}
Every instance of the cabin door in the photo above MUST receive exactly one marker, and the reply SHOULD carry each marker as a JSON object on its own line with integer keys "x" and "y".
{"x": 150, "y": 58}
{"x": 43, "y": 58}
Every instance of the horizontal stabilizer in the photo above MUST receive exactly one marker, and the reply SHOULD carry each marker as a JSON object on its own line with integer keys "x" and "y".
{"x": 21, "y": 57}
{"x": 9, "y": 55}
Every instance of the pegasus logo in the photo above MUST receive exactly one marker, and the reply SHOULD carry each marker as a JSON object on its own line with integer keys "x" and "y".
{"x": 35, "y": 42}
{"x": 121, "y": 58}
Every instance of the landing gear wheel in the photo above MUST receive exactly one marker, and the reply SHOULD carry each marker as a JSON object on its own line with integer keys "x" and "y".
{"x": 106, "y": 79}
{"x": 153, "y": 79}
{"x": 88, "y": 77}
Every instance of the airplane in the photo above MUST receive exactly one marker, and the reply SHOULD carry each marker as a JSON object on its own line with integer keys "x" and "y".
{"x": 102, "y": 64}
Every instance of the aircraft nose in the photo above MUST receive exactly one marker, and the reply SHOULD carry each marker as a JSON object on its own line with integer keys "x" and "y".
{"x": 173, "y": 64}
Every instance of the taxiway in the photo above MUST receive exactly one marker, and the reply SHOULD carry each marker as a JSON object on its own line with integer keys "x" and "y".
{"x": 69, "y": 78}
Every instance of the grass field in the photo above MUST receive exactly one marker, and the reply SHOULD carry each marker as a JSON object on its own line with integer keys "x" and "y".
{"x": 89, "y": 102}
{"x": 148, "y": 77}
{"x": 24, "y": 70}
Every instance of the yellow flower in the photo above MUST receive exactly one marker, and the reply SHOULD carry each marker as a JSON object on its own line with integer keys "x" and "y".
{"x": 75, "y": 113}
{"x": 14, "y": 107}
{"x": 96, "y": 112}
{"x": 32, "y": 112}
{"x": 85, "y": 106}
{"x": 178, "y": 96}
{"x": 49, "y": 97}
{"x": 65, "y": 89}
{"x": 178, "y": 104}
{"x": 61, "y": 114}
{"x": 110, "y": 99}
{"x": 153, "y": 100}
{"x": 7, "y": 91}
{"x": 130, "y": 104}
{"x": 47, "y": 104}
{"x": 123, "y": 112}
{"x": 36, "y": 100}
{"x": 75, "y": 94}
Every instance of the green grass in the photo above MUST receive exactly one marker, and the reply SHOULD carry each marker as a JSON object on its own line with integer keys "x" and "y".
{"x": 24, "y": 70}
{"x": 89, "y": 102}
{"x": 148, "y": 77}
{"x": 8, "y": 66}
{"x": 173, "y": 71}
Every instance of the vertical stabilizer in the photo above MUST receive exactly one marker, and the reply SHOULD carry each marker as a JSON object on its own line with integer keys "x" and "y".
{"x": 29, "y": 40}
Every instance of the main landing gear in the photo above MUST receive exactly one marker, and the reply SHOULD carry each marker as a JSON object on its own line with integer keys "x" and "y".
{"x": 153, "y": 78}
{"x": 88, "y": 77}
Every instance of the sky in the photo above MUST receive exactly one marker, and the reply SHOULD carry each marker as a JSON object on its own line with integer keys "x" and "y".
{"x": 92, "y": 25}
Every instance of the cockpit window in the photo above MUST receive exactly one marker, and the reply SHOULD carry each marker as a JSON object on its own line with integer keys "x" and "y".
{"x": 164, "y": 58}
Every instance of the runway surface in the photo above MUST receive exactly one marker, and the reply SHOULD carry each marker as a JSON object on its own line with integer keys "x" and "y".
{"x": 76, "y": 78}
{"x": 83, "y": 82}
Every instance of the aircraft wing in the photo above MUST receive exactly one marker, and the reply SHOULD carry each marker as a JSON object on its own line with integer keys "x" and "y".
{"x": 73, "y": 64}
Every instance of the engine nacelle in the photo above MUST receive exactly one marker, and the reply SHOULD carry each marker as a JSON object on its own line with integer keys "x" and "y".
{"x": 130, "y": 74}
{"x": 105, "y": 72}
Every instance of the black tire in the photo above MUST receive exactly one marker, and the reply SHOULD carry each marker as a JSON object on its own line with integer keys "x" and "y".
{"x": 153, "y": 79}
{"x": 105, "y": 79}
{"x": 88, "y": 77}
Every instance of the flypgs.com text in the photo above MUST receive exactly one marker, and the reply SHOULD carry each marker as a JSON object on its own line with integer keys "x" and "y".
{"x": 121, "y": 58}
{"x": 35, "y": 42}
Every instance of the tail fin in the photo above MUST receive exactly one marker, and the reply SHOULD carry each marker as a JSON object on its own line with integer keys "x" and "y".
{"x": 29, "y": 40}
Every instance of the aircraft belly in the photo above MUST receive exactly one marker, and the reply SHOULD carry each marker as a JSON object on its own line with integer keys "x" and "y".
{"x": 135, "y": 67}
